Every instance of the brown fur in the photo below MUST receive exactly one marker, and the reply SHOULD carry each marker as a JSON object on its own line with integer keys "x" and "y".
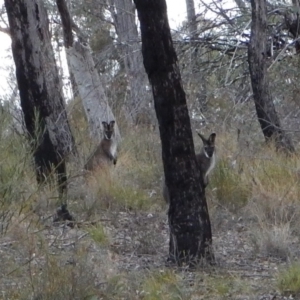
{"x": 206, "y": 157}
{"x": 205, "y": 160}
{"x": 106, "y": 152}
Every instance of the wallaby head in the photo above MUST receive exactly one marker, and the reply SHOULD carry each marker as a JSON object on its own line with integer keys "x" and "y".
{"x": 208, "y": 144}
{"x": 109, "y": 129}
{"x": 107, "y": 149}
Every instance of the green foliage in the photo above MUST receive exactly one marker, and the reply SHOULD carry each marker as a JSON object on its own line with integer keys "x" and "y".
{"x": 61, "y": 281}
{"x": 220, "y": 286}
{"x": 162, "y": 285}
{"x": 288, "y": 281}
{"x": 114, "y": 194}
{"x": 15, "y": 172}
{"x": 100, "y": 41}
{"x": 223, "y": 286}
{"x": 97, "y": 233}
{"x": 230, "y": 188}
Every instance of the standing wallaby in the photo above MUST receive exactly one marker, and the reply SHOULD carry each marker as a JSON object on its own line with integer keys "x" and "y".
{"x": 206, "y": 161}
{"x": 106, "y": 152}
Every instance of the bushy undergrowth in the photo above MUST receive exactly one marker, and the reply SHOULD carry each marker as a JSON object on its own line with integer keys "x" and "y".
{"x": 256, "y": 182}
{"x": 17, "y": 187}
{"x": 162, "y": 285}
{"x": 230, "y": 188}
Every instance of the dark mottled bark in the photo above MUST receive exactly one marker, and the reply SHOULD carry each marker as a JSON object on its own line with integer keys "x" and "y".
{"x": 190, "y": 230}
{"x": 66, "y": 22}
{"x": 257, "y": 57}
{"x": 40, "y": 88}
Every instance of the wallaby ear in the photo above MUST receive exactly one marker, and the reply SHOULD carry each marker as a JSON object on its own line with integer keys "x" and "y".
{"x": 202, "y": 137}
{"x": 104, "y": 124}
{"x": 212, "y": 138}
{"x": 112, "y": 123}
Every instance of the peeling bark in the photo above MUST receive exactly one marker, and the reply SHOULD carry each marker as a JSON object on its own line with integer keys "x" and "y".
{"x": 90, "y": 88}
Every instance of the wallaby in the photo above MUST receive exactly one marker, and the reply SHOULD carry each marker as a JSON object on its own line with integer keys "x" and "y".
{"x": 206, "y": 161}
{"x": 106, "y": 152}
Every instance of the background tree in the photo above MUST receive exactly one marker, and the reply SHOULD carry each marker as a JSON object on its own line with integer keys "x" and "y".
{"x": 40, "y": 89}
{"x": 190, "y": 231}
{"x": 123, "y": 14}
{"x": 197, "y": 80}
{"x": 86, "y": 77}
{"x": 258, "y": 56}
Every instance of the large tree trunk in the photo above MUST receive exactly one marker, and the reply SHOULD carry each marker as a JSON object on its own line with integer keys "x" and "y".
{"x": 40, "y": 88}
{"x": 190, "y": 230}
{"x": 123, "y": 13}
{"x": 82, "y": 66}
{"x": 257, "y": 58}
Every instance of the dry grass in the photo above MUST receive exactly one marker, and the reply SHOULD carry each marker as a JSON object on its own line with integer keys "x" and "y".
{"x": 288, "y": 280}
{"x": 119, "y": 252}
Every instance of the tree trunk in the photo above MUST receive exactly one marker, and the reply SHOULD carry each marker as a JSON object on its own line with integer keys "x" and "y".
{"x": 191, "y": 17}
{"x": 292, "y": 22}
{"x": 257, "y": 56}
{"x": 82, "y": 66}
{"x": 40, "y": 88}
{"x": 190, "y": 230}
{"x": 123, "y": 14}
{"x": 198, "y": 82}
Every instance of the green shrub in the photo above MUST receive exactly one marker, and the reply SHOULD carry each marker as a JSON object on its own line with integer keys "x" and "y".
{"x": 288, "y": 281}
{"x": 229, "y": 187}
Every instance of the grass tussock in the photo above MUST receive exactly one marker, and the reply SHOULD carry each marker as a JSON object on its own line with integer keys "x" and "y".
{"x": 288, "y": 280}
{"x": 230, "y": 188}
{"x": 162, "y": 285}
{"x": 41, "y": 261}
{"x": 222, "y": 286}
{"x": 272, "y": 240}
{"x": 134, "y": 183}
{"x": 109, "y": 191}
{"x": 98, "y": 234}
{"x": 17, "y": 180}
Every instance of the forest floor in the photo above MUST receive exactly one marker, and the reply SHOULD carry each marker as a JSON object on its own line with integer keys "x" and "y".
{"x": 124, "y": 257}
{"x": 118, "y": 247}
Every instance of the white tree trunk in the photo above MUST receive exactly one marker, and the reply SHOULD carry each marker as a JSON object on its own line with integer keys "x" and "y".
{"x": 123, "y": 13}
{"x": 86, "y": 77}
{"x": 191, "y": 17}
{"x": 90, "y": 88}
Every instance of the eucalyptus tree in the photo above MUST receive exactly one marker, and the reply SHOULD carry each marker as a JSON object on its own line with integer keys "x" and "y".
{"x": 190, "y": 229}
{"x": 258, "y": 61}
{"x": 128, "y": 40}
{"x": 40, "y": 90}
{"x": 86, "y": 76}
